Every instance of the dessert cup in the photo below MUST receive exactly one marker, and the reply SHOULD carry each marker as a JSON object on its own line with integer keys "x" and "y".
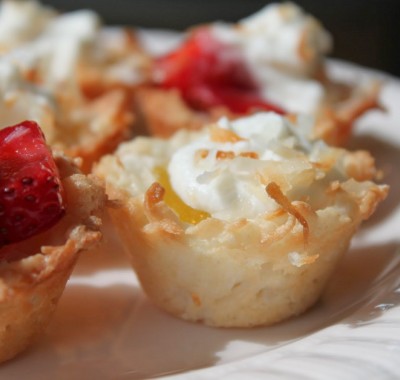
{"x": 31, "y": 284}
{"x": 240, "y": 224}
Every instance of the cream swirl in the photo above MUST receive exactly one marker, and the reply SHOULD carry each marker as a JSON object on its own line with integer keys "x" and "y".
{"x": 21, "y": 21}
{"x": 222, "y": 177}
{"x": 283, "y": 47}
{"x": 39, "y": 40}
{"x": 20, "y": 100}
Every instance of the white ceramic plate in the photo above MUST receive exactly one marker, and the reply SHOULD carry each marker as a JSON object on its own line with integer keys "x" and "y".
{"x": 105, "y": 328}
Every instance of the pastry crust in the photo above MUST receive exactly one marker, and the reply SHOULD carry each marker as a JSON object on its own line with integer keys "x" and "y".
{"x": 164, "y": 112}
{"x": 78, "y": 86}
{"x": 241, "y": 272}
{"x": 346, "y": 103}
{"x": 282, "y": 51}
{"x": 31, "y": 287}
{"x": 102, "y": 116}
{"x": 88, "y": 129}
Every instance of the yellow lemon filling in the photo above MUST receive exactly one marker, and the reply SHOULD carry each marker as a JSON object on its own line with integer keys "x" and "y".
{"x": 186, "y": 213}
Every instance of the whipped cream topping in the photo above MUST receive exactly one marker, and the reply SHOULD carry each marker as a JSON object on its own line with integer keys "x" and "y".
{"x": 283, "y": 47}
{"x": 222, "y": 178}
{"x": 53, "y": 45}
{"x": 20, "y": 21}
{"x": 39, "y": 40}
{"x": 19, "y": 100}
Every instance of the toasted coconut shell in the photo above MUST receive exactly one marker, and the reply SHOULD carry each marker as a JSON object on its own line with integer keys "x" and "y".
{"x": 31, "y": 287}
{"x": 164, "y": 112}
{"x": 90, "y": 129}
{"x": 334, "y": 121}
{"x": 242, "y": 272}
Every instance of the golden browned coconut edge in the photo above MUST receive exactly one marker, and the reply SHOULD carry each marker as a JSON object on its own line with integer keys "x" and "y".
{"x": 31, "y": 287}
{"x": 241, "y": 273}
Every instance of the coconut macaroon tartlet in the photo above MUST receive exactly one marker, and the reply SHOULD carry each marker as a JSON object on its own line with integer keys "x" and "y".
{"x": 273, "y": 60}
{"x": 49, "y": 214}
{"x": 80, "y": 128}
{"x": 84, "y": 73}
{"x": 240, "y": 224}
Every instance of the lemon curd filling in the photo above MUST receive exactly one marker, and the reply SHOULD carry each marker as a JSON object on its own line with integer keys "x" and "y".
{"x": 185, "y": 212}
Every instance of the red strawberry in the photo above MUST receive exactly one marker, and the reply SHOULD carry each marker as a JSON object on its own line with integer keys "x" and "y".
{"x": 31, "y": 194}
{"x": 209, "y": 73}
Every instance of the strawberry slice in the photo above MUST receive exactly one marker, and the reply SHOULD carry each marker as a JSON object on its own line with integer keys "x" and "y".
{"x": 31, "y": 194}
{"x": 209, "y": 73}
